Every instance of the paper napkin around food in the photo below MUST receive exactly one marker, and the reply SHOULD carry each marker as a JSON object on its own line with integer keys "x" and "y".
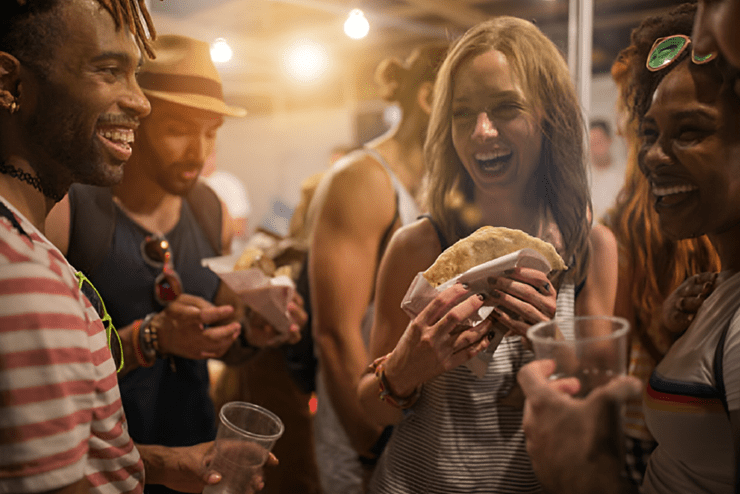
{"x": 268, "y": 296}
{"x": 420, "y": 293}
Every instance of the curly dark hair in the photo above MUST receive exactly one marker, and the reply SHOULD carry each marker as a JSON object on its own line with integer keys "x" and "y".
{"x": 679, "y": 20}
{"x": 30, "y": 29}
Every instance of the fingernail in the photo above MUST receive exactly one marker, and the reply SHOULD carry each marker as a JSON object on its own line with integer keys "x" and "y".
{"x": 482, "y": 296}
{"x": 465, "y": 285}
{"x": 490, "y": 335}
{"x": 497, "y": 311}
{"x": 496, "y": 294}
{"x": 509, "y": 271}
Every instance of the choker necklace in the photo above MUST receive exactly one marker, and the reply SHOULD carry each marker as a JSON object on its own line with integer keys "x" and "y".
{"x": 33, "y": 180}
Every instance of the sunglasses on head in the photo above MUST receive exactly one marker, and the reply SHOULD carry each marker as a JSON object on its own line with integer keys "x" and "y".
{"x": 666, "y": 50}
{"x": 155, "y": 249}
{"x": 114, "y": 345}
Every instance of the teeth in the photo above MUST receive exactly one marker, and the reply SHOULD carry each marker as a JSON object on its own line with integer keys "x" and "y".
{"x": 491, "y": 156}
{"x": 125, "y": 136}
{"x": 676, "y": 189}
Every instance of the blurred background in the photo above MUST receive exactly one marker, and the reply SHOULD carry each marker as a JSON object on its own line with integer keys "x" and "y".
{"x": 304, "y": 71}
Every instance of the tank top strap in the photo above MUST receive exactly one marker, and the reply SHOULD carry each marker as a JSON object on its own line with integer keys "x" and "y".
{"x": 440, "y": 235}
{"x": 408, "y": 210}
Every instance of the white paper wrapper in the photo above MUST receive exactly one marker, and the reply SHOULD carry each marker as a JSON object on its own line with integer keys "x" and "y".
{"x": 265, "y": 295}
{"x": 420, "y": 293}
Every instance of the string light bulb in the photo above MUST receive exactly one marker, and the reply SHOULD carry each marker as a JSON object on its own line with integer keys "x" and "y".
{"x": 221, "y": 51}
{"x": 356, "y": 26}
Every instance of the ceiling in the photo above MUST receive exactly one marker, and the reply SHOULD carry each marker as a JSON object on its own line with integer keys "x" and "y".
{"x": 259, "y": 30}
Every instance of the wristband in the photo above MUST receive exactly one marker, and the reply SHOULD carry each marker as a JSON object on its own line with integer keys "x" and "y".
{"x": 136, "y": 343}
{"x": 148, "y": 339}
{"x": 385, "y": 393}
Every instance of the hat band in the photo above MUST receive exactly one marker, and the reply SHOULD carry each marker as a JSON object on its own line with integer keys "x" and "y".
{"x": 174, "y": 83}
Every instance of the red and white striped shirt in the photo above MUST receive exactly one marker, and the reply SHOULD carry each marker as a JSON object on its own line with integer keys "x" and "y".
{"x": 61, "y": 417}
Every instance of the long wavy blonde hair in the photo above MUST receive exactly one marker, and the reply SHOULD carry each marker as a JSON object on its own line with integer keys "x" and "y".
{"x": 562, "y": 185}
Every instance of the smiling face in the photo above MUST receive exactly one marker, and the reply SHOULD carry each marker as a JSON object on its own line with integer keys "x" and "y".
{"x": 494, "y": 133}
{"x": 174, "y": 143}
{"x": 82, "y": 112}
{"x": 691, "y": 153}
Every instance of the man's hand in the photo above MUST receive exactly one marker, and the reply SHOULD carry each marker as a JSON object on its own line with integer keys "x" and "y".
{"x": 189, "y": 327}
{"x": 262, "y": 334}
{"x": 575, "y": 444}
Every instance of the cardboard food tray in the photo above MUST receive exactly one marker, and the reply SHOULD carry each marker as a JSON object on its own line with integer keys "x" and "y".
{"x": 265, "y": 295}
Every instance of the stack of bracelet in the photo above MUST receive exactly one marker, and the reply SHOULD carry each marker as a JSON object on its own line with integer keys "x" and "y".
{"x": 385, "y": 393}
{"x": 145, "y": 341}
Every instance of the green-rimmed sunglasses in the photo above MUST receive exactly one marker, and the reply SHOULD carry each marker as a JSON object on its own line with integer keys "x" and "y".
{"x": 89, "y": 290}
{"x": 666, "y": 50}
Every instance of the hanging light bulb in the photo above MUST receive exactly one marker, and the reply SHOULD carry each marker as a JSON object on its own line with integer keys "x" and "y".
{"x": 221, "y": 51}
{"x": 356, "y": 25}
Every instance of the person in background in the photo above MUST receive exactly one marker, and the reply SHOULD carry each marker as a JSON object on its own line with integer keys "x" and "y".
{"x": 687, "y": 110}
{"x": 651, "y": 264}
{"x": 504, "y": 148}
{"x": 715, "y": 30}
{"x": 607, "y": 175}
{"x": 69, "y": 106}
{"x": 233, "y": 194}
{"x": 141, "y": 243}
{"x": 365, "y": 196}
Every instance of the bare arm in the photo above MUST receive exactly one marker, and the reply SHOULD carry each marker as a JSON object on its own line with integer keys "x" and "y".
{"x": 422, "y": 348}
{"x": 355, "y": 205}
{"x": 600, "y": 291}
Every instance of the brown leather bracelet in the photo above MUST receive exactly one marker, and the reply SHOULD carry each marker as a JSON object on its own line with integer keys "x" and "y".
{"x": 385, "y": 393}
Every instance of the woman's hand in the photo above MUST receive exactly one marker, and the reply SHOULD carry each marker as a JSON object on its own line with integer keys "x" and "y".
{"x": 436, "y": 341}
{"x": 681, "y": 306}
{"x": 522, "y": 297}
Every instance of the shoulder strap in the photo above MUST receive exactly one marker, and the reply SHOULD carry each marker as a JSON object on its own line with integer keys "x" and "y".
{"x": 206, "y": 207}
{"x": 441, "y": 236}
{"x": 91, "y": 226}
{"x": 719, "y": 380}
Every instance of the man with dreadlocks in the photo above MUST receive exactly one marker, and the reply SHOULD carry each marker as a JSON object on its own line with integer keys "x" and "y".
{"x": 69, "y": 105}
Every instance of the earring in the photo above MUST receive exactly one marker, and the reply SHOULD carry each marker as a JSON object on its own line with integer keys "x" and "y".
{"x": 14, "y": 106}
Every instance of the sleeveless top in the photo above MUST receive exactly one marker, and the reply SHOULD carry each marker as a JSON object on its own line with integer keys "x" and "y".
{"x": 340, "y": 470}
{"x": 460, "y": 437}
{"x": 168, "y": 403}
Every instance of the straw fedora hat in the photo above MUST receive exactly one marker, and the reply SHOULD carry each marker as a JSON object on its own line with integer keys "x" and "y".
{"x": 183, "y": 73}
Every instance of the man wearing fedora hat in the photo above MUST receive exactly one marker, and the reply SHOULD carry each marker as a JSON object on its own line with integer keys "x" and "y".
{"x": 141, "y": 244}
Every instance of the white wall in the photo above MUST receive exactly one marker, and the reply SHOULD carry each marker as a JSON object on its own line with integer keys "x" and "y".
{"x": 272, "y": 154}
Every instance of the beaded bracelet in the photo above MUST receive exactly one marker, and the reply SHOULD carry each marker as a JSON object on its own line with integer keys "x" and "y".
{"x": 148, "y": 339}
{"x": 136, "y": 343}
{"x": 385, "y": 393}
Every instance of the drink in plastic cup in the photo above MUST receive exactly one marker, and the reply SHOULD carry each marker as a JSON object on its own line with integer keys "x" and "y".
{"x": 590, "y": 348}
{"x": 246, "y": 434}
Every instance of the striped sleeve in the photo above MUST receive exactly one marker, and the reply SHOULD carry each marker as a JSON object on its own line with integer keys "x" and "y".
{"x": 61, "y": 417}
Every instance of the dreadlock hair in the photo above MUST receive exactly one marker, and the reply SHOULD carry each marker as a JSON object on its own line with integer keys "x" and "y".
{"x": 655, "y": 264}
{"x": 29, "y": 29}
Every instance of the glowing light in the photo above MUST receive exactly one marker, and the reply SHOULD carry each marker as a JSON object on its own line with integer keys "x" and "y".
{"x": 306, "y": 61}
{"x": 221, "y": 51}
{"x": 356, "y": 25}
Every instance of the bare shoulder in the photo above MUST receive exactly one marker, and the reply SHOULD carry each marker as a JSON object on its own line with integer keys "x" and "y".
{"x": 603, "y": 242}
{"x": 356, "y": 193}
{"x": 415, "y": 245}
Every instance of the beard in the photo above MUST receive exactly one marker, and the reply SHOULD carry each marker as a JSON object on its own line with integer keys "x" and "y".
{"x": 65, "y": 135}
{"x": 166, "y": 174}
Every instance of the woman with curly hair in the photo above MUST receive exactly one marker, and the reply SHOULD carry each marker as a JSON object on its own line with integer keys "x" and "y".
{"x": 505, "y": 147}
{"x": 651, "y": 264}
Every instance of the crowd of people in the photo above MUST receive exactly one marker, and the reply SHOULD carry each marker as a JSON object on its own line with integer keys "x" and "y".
{"x": 108, "y": 317}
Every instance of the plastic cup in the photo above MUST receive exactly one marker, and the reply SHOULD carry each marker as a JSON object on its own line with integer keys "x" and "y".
{"x": 590, "y": 348}
{"x": 246, "y": 434}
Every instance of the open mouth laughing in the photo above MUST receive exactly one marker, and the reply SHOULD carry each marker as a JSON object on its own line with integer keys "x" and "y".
{"x": 670, "y": 195}
{"x": 493, "y": 162}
